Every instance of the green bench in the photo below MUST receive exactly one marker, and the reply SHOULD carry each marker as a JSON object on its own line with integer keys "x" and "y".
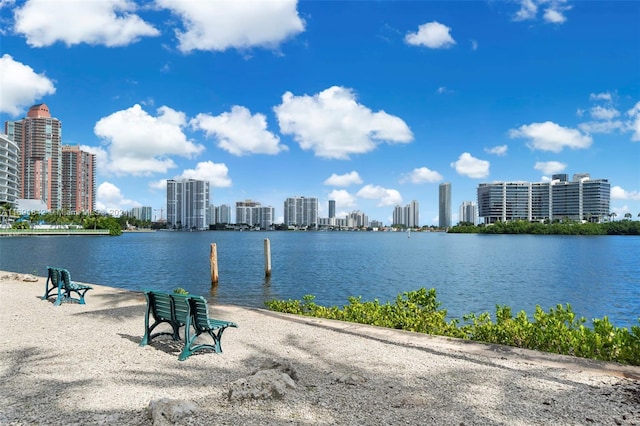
{"x": 59, "y": 283}
{"x": 180, "y": 310}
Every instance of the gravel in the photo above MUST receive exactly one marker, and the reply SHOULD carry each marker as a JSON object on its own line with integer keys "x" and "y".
{"x": 82, "y": 364}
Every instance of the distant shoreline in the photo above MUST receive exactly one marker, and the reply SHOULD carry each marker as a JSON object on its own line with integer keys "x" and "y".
{"x": 49, "y": 232}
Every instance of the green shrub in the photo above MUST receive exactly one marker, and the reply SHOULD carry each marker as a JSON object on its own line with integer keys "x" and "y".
{"x": 557, "y": 331}
{"x": 180, "y": 290}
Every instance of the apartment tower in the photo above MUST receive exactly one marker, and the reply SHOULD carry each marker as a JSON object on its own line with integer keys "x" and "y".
{"x": 78, "y": 179}
{"x": 187, "y": 204}
{"x": 39, "y": 137}
{"x": 582, "y": 199}
{"x": 444, "y": 205}
{"x": 468, "y": 212}
{"x": 301, "y": 212}
{"x": 9, "y": 160}
{"x": 332, "y": 209}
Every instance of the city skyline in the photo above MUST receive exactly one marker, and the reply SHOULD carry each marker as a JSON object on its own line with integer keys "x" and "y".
{"x": 370, "y": 104}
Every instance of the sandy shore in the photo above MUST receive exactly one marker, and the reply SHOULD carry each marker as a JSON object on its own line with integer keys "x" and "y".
{"x": 82, "y": 364}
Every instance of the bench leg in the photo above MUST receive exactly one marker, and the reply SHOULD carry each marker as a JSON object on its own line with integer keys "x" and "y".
{"x": 81, "y": 294}
{"x": 61, "y": 296}
{"x": 147, "y": 332}
{"x": 189, "y": 339}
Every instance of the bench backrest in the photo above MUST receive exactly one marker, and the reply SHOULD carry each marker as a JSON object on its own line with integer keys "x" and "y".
{"x": 181, "y": 306}
{"x": 54, "y": 275}
{"x": 199, "y": 311}
{"x": 176, "y": 307}
{"x": 65, "y": 276}
{"x": 169, "y": 306}
{"x": 161, "y": 304}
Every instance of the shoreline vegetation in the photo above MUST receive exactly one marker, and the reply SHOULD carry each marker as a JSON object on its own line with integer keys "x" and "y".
{"x": 622, "y": 227}
{"x": 556, "y": 331}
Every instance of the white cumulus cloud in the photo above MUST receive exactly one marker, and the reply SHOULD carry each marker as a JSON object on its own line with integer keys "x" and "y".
{"x": 346, "y": 179}
{"x": 618, "y": 193}
{"x": 21, "y": 86}
{"x": 528, "y": 10}
{"x": 221, "y": 25}
{"x": 215, "y": 173}
{"x": 109, "y": 199}
{"x": 553, "y": 10}
{"x": 239, "y": 133}
{"x": 105, "y": 22}
{"x": 421, "y": 175}
{"x": 433, "y": 35}
{"x": 604, "y": 96}
{"x": 634, "y": 124}
{"x": 549, "y": 136}
{"x": 468, "y": 165}
{"x": 140, "y": 144}
{"x": 550, "y": 167}
{"x": 499, "y": 150}
{"x": 603, "y": 113}
{"x": 554, "y": 16}
{"x": 334, "y": 125}
{"x": 385, "y": 197}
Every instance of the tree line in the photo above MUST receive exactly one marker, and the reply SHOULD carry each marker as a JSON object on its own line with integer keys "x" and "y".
{"x": 66, "y": 219}
{"x": 621, "y": 227}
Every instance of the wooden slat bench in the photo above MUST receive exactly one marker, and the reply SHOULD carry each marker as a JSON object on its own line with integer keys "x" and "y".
{"x": 59, "y": 282}
{"x": 178, "y": 310}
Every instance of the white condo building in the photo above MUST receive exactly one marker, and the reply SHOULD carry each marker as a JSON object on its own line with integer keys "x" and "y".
{"x": 408, "y": 215}
{"x": 187, "y": 204}
{"x": 581, "y": 199}
{"x": 9, "y": 171}
{"x": 468, "y": 212}
{"x": 301, "y": 212}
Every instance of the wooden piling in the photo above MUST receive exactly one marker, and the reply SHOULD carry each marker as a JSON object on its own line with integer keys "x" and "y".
{"x": 267, "y": 257}
{"x": 213, "y": 258}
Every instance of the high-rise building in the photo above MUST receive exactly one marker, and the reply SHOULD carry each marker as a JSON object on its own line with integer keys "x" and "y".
{"x": 187, "y": 204}
{"x": 39, "y": 137}
{"x": 301, "y": 212}
{"x": 413, "y": 214}
{"x": 9, "y": 170}
{"x": 408, "y": 216}
{"x": 78, "y": 179}
{"x": 142, "y": 213}
{"x": 581, "y": 199}
{"x": 332, "y": 209}
{"x": 357, "y": 219}
{"x": 266, "y": 216}
{"x": 398, "y": 216}
{"x": 246, "y": 213}
{"x": 253, "y": 214}
{"x": 468, "y": 212}
{"x": 223, "y": 214}
{"x": 444, "y": 205}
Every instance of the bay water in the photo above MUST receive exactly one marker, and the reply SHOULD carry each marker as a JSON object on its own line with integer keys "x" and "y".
{"x": 598, "y": 275}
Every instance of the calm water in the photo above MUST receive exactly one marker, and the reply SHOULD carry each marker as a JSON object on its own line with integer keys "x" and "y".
{"x": 598, "y": 276}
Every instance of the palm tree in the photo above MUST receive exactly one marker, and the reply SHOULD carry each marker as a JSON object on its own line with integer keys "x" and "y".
{"x": 627, "y": 216}
{"x": 612, "y": 214}
{"x": 5, "y": 211}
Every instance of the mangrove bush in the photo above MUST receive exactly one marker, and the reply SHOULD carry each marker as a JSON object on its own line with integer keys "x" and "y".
{"x": 556, "y": 331}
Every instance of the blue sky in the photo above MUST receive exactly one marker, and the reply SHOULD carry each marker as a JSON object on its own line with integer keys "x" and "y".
{"x": 373, "y": 104}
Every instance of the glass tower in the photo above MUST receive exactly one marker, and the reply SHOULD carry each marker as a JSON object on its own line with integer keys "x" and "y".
{"x": 444, "y": 204}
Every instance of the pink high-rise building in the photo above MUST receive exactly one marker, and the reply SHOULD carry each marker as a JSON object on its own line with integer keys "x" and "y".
{"x": 78, "y": 179}
{"x": 39, "y": 137}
